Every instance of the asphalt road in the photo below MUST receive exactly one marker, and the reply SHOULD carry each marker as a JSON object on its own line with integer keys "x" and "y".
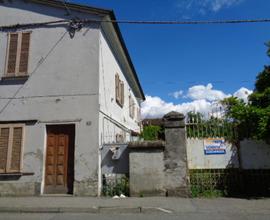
{"x": 178, "y": 216}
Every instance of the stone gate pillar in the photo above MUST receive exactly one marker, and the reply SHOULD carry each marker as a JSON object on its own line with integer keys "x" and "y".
{"x": 175, "y": 155}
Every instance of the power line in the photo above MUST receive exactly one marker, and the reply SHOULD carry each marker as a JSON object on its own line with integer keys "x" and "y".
{"x": 194, "y": 82}
{"x": 139, "y": 22}
{"x": 186, "y": 22}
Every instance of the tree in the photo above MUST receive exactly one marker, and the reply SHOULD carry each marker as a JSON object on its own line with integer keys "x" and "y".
{"x": 261, "y": 95}
{"x": 268, "y": 51}
{"x": 253, "y": 118}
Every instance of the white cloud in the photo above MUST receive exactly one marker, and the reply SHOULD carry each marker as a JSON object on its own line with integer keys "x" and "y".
{"x": 204, "y": 100}
{"x": 216, "y": 5}
{"x": 205, "y": 92}
{"x": 204, "y": 6}
{"x": 177, "y": 94}
{"x": 243, "y": 93}
{"x": 155, "y": 107}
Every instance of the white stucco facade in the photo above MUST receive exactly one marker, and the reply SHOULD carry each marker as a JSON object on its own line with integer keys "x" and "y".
{"x": 114, "y": 119}
{"x": 71, "y": 81}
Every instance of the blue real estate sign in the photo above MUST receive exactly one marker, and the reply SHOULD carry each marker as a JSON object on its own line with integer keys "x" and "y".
{"x": 214, "y": 146}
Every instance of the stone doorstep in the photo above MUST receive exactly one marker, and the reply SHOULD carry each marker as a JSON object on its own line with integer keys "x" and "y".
{"x": 93, "y": 210}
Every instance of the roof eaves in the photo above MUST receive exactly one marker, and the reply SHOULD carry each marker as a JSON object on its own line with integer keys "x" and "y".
{"x": 73, "y": 6}
{"x": 98, "y": 11}
{"x": 116, "y": 26}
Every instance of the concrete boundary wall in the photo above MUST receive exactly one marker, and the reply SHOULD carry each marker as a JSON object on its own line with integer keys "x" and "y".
{"x": 147, "y": 169}
{"x": 160, "y": 168}
{"x": 252, "y": 155}
{"x": 198, "y": 160}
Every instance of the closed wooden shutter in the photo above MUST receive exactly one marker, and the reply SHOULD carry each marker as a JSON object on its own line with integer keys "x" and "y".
{"x": 133, "y": 108}
{"x": 118, "y": 91}
{"x": 15, "y": 164}
{"x": 138, "y": 114}
{"x": 24, "y": 55}
{"x": 117, "y": 87}
{"x": 11, "y": 141}
{"x": 4, "y": 139}
{"x": 122, "y": 93}
{"x": 130, "y": 104}
{"x": 12, "y": 54}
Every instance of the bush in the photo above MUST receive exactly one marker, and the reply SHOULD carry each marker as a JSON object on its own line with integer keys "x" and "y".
{"x": 152, "y": 132}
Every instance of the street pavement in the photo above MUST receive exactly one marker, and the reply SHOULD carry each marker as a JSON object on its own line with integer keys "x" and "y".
{"x": 153, "y": 208}
{"x": 176, "y": 216}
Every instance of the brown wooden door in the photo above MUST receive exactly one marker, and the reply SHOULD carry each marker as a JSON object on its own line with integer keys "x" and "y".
{"x": 58, "y": 144}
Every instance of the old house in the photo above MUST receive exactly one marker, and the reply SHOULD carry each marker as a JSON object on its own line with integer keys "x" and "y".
{"x": 67, "y": 86}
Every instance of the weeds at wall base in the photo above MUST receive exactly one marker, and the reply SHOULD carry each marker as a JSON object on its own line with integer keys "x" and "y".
{"x": 115, "y": 186}
{"x": 198, "y": 193}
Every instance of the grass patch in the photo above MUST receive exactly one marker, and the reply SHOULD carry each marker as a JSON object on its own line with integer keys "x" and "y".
{"x": 197, "y": 192}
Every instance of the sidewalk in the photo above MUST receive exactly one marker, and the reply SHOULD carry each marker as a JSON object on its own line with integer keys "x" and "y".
{"x": 132, "y": 205}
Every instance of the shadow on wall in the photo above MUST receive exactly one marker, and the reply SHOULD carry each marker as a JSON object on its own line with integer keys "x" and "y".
{"x": 10, "y": 177}
{"x": 234, "y": 160}
{"x": 115, "y": 166}
{"x": 115, "y": 170}
{"x": 252, "y": 179}
{"x": 7, "y": 81}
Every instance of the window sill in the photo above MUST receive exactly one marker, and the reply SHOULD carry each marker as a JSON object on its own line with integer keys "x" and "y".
{"x": 7, "y": 78}
{"x": 17, "y": 174}
{"x": 13, "y": 176}
{"x": 14, "y": 80}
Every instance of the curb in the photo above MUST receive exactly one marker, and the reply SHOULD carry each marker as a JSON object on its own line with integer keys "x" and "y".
{"x": 119, "y": 210}
{"x": 91, "y": 210}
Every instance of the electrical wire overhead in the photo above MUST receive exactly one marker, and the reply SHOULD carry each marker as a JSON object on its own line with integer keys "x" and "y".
{"x": 139, "y": 22}
{"x": 195, "y": 22}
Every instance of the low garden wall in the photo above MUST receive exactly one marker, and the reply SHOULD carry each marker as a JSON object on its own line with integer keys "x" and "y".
{"x": 146, "y": 171}
{"x": 194, "y": 159}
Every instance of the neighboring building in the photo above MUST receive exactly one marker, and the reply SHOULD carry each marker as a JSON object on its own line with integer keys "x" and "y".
{"x": 65, "y": 91}
{"x": 154, "y": 121}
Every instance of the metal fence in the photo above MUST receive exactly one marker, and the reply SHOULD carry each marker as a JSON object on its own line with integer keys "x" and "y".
{"x": 230, "y": 182}
{"x": 199, "y": 126}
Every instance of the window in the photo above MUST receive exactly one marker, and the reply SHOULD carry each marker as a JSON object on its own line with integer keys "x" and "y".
{"x": 122, "y": 96}
{"x": 119, "y": 91}
{"x": 139, "y": 114}
{"x": 131, "y": 107}
{"x": 11, "y": 142}
{"x": 17, "y": 54}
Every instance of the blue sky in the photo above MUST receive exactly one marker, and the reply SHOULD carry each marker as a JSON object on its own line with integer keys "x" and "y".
{"x": 184, "y": 66}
